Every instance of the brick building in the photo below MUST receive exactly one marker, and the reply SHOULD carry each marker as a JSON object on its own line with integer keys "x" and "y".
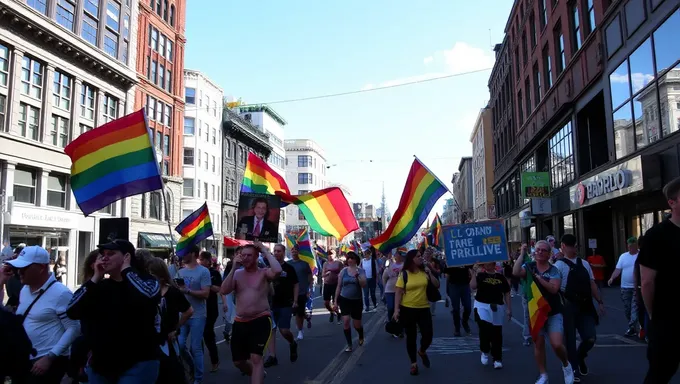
{"x": 160, "y": 71}
{"x": 596, "y": 108}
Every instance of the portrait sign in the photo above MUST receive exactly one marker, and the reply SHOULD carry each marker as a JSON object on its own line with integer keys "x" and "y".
{"x": 258, "y": 217}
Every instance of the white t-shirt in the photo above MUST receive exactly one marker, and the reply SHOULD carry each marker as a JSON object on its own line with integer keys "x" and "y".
{"x": 366, "y": 265}
{"x": 626, "y": 264}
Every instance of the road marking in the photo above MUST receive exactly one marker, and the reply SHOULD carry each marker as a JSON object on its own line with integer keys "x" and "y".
{"x": 454, "y": 346}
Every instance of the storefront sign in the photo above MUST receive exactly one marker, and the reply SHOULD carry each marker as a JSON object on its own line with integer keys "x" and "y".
{"x": 479, "y": 242}
{"x": 37, "y": 217}
{"x": 535, "y": 184}
{"x": 623, "y": 179}
{"x": 541, "y": 206}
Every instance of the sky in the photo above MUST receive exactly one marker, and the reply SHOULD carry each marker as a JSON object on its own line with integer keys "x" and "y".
{"x": 282, "y": 50}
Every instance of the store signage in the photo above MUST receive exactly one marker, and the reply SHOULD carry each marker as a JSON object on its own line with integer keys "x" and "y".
{"x": 45, "y": 218}
{"x": 602, "y": 185}
{"x": 623, "y": 179}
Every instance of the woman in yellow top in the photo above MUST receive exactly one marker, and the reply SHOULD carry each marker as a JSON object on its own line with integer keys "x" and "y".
{"x": 412, "y": 308}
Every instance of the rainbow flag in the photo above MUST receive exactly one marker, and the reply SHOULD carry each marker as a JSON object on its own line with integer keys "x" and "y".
{"x": 435, "y": 230}
{"x": 113, "y": 162}
{"x": 321, "y": 252}
{"x": 305, "y": 250}
{"x": 259, "y": 177}
{"x": 537, "y": 304}
{"x": 327, "y": 211}
{"x": 194, "y": 229}
{"x": 421, "y": 193}
{"x": 291, "y": 240}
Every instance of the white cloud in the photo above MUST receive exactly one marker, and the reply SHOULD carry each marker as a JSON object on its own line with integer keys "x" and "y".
{"x": 640, "y": 80}
{"x": 461, "y": 58}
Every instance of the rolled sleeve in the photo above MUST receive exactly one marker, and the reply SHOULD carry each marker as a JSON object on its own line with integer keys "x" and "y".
{"x": 71, "y": 327}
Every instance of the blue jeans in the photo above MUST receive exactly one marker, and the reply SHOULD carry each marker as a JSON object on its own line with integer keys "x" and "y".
{"x": 460, "y": 295}
{"x": 526, "y": 332}
{"x": 369, "y": 290}
{"x": 195, "y": 327}
{"x": 630, "y": 306}
{"x": 389, "y": 300}
{"x": 144, "y": 372}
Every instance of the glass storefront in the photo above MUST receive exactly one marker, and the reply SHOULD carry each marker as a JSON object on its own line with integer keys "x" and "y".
{"x": 567, "y": 225}
{"x": 639, "y": 224}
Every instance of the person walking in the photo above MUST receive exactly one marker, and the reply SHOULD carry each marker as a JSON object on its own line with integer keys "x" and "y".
{"x": 348, "y": 297}
{"x": 212, "y": 309}
{"x": 625, "y": 268}
{"x": 389, "y": 278}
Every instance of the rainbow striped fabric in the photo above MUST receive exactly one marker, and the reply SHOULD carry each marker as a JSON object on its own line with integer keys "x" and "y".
{"x": 113, "y": 162}
{"x": 305, "y": 250}
{"x": 420, "y": 194}
{"x": 259, "y": 177}
{"x": 537, "y": 304}
{"x": 194, "y": 229}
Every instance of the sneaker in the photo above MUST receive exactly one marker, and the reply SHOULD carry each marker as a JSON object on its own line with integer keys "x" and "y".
{"x": 293, "y": 352}
{"x": 583, "y": 368}
{"x": 300, "y": 336}
{"x": 414, "y": 370}
{"x": 425, "y": 359}
{"x": 361, "y": 342}
{"x": 543, "y": 379}
{"x": 485, "y": 359}
{"x": 497, "y": 364}
{"x": 348, "y": 349}
{"x": 630, "y": 332}
{"x": 568, "y": 372}
{"x": 526, "y": 343}
{"x": 271, "y": 361}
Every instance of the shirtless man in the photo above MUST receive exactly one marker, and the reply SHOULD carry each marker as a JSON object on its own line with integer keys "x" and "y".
{"x": 253, "y": 324}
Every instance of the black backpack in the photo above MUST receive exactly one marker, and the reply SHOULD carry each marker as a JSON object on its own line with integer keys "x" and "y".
{"x": 16, "y": 348}
{"x": 578, "y": 290}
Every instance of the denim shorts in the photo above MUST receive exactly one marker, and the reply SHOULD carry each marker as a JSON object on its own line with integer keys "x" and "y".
{"x": 554, "y": 324}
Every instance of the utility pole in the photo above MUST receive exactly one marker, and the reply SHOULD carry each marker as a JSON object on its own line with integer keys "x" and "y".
{"x": 383, "y": 208}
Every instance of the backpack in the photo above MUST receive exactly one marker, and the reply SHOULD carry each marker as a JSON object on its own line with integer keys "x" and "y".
{"x": 16, "y": 348}
{"x": 433, "y": 294}
{"x": 578, "y": 290}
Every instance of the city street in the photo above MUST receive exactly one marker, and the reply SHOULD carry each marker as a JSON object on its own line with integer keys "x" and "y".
{"x": 615, "y": 358}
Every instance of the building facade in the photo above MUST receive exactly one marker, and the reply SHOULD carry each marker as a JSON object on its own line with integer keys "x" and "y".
{"x": 239, "y": 137}
{"x": 64, "y": 69}
{"x": 463, "y": 190}
{"x": 202, "y": 153}
{"x": 272, "y": 124}
{"x": 305, "y": 172}
{"x": 449, "y": 212}
{"x": 482, "y": 169}
{"x": 160, "y": 66}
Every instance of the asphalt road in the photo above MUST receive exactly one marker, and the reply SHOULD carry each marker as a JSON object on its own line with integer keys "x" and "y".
{"x": 615, "y": 358}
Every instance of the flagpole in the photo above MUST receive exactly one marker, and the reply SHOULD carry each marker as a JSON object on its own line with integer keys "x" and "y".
{"x": 433, "y": 174}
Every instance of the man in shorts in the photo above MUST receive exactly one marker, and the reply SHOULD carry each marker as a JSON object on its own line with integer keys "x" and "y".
{"x": 284, "y": 300}
{"x": 253, "y": 323}
{"x": 305, "y": 283}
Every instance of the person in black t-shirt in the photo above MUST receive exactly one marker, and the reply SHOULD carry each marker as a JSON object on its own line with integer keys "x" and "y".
{"x": 492, "y": 301}
{"x": 283, "y": 301}
{"x": 458, "y": 290}
{"x": 659, "y": 287}
{"x": 212, "y": 310}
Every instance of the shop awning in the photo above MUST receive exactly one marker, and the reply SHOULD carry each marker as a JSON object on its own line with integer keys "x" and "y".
{"x": 155, "y": 240}
{"x": 231, "y": 242}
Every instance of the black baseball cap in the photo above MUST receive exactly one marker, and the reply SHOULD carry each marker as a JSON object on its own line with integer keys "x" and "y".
{"x": 118, "y": 245}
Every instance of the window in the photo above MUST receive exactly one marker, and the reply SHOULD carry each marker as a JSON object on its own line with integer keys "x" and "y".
{"x": 303, "y": 191}
{"x": 213, "y": 163}
{"x": 113, "y": 15}
{"x": 537, "y": 84}
{"x": 111, "y": 43}
{"x": 87, "y": 101}
{"x": 166, "y": 167}
{"x": 188, "y": 156}
{"x": 547, "y": 64}
{"x": 161, "y": 75}
{"x": 532, "y": 30}
{"x": 25, "y": 180}
{"x": 59, "y": 131}
{"x": 561, "y": 157}
{"x": 165, "y": 10}
{"x": 559, "y": 49}
{"x": 90, "y": 21}
{"x": 214, "y": 136}
{"x": 28, "y": 121}
{"x": 168, "y": 50}
{"x": 207, "y": 133}
{"x": 527, "y": 95}
{"x": 159, "y": 8}
{"x": 189, "y": 125}
{"x": 38, "y": 5}
{"x": 161, "y": 45}
{"x": 172, "y": 15}
{"x": 62, "y": 91}
{"x": 212, "y": 192}
{"x": 110, "y": 110}
{"x": 31, "y": 77}
{"x": 169, "y": 77}
{"x": 525, "y": 52}
{"x": 635, "y": 15}
{"x": 198, "y": 188}
{"x": 155, "y": 206}
{"x": 56, "y": 190}
{"x": 205, "y": 191}
{"x": 154, "y": 39}
{"x": 199, "y": 158}
{"x": 166, "y": 145}
{"x": 150, "y": 107}
{"x": 190, "y": 95}
{"x": 84, "y": 128}
{"x": 167, "y": 119}
{"x": 205, "y": 163}
{"x": 305, "y": 178}
{"x": 159, "y": 111}
{"x": 575, "y": 27}
{"x": 591, "y": 16}
{"x": 519, "y": 107}
{"x": 543, "y": 10}
{"x": 3, "y": 106}
{"x": 66, "y": 10}
{"x": 4, "y": 65}
{"x": 215, "y": 108}
{"x": 301, "y": 216}
{"x": 304, "y": 161}
{"x": 154, "y": 67}
{"x": 159, "y": 140}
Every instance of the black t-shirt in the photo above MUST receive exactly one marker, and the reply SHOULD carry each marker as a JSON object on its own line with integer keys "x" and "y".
{"x": 283, "y": 287}
{"x": 173, "y": 304}
{"x": 491, "y": 287}
{"x": 658, "y": 253}
{"x": 458, "y": 275}
{"x": 211, "y": 303}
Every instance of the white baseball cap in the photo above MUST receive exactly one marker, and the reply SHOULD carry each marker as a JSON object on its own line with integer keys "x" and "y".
{"x": 34, "y": 254}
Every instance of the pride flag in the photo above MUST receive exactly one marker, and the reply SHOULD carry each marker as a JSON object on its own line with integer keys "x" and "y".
{"x": 327, "y": 211}
{"x": 259, "y": 177}
{"x": 305, "y": 250}
{"x": 321, "y": 252}
{"x": 421, "y": 193}
{"x": 291, "y": 240}
{"x": 194, "y": 229}
{"x": 537, "y": 304}
{"x": 435, "y": 230}
{"x": 113, "y": 162}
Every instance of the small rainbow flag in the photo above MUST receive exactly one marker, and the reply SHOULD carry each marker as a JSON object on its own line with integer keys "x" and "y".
{"x": 327, "y": 211}
{"x": 435, "y": 230}
{"x": 537, "y": 305}
{"x": 421, "y": 193}
{"x": 321, "y": 252}
{"x": 113, "y": 162}
{"x": 194, "y": 229}
{"x": 305, "y": 250}
{"x": 291, "y": 240}
{"x": 259, "y": 177}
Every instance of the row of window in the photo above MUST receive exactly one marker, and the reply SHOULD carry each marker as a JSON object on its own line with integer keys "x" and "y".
{"x": 190, "y": 159}
{"x": 164, "y": 11}
{"x": 158, "y": 111}
{"x": 212, "y": 194}
{"x": 204, "y": 130}
{"x": 158, "y": 74}
{"x": 190, "y": 99}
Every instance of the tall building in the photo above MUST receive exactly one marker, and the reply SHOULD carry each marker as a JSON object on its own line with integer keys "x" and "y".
{"x": 595, "y": 108}
{"x": 239, "y": 137}
{"x": 463, "y": 190}
{"x": 65, "y": 68}
{"x": 482, "y": 165}
{"x": 449, "y": 212}
{"x": 305, "y": 172}
{"x": 160, "y": 67}
{"x": 271, "y": 124}
{"x": 202, "y": 152}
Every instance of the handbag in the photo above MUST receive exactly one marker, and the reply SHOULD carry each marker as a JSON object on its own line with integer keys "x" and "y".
{"x": 432, "y": 292}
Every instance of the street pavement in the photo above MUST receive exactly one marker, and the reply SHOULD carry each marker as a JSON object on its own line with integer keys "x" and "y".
{"x": 615, "y": 358}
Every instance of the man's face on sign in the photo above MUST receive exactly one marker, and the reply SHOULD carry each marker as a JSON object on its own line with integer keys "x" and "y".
{"x": 260, "y": 209}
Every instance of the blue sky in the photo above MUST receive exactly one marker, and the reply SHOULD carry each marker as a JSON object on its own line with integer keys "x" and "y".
{"x": 291, "y": 49}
